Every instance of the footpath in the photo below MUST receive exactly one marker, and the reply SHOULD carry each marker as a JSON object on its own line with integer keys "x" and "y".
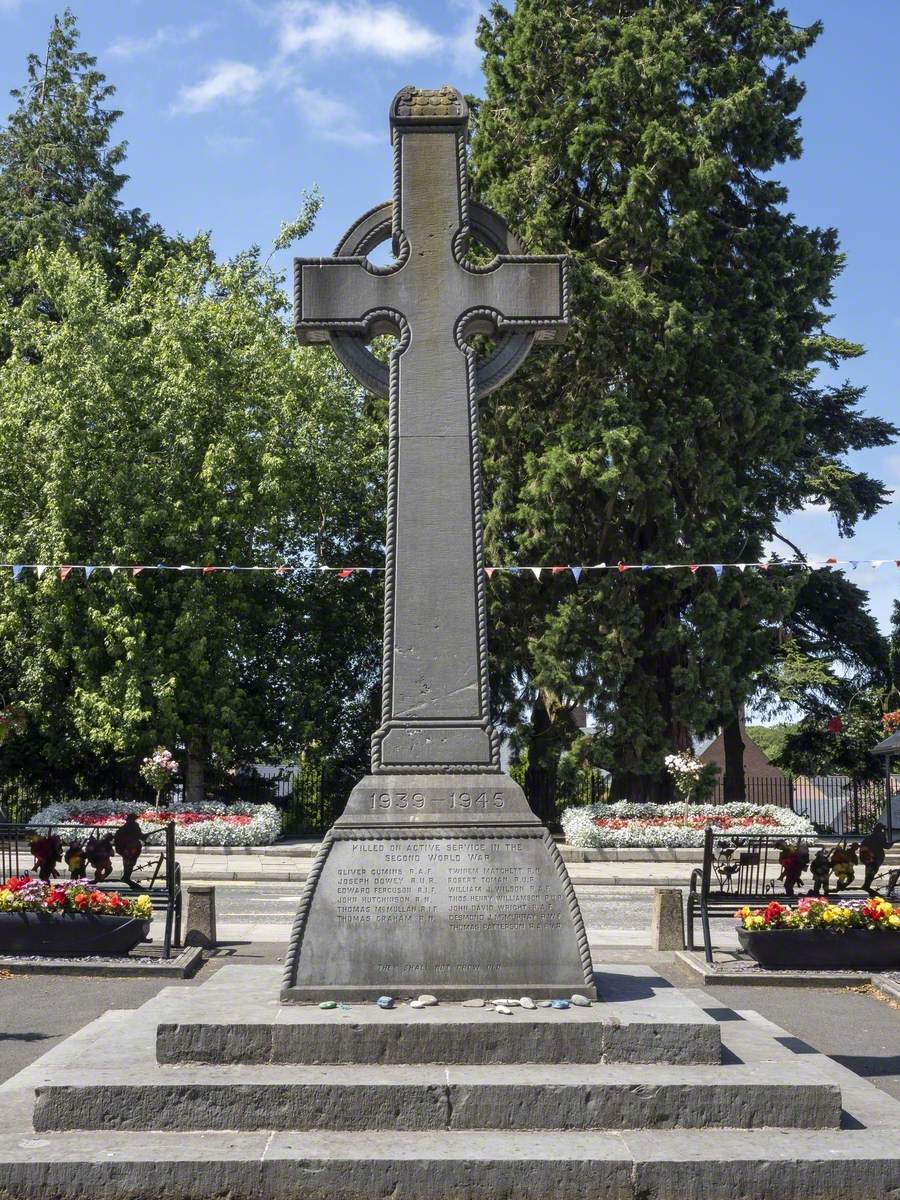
{"x": 290, "y": 861}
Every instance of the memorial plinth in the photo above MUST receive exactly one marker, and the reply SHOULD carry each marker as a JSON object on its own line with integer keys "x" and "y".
{"x": 437, "y": 877}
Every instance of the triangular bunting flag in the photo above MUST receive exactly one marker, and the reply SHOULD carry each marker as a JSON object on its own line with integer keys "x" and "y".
{"x": 877, "y": 562}
{"x": 88, "y": 572}
{"x": 345, "y": 572}
{"x": 694, "y": 568}
{"x": 185, "y": 567}
{"x": 763, "y": 566}
{"x": 516, "y": 570}
{"x": 718, "y": 568}
{"x": 17, "y": 571}
{"x": 209, "y": 570}
{"x": 647, "y": 567}
{"x": 558, "y": 570}
{"x": 41, "y": 569}
{"x": 598, "y": 566}
{"x": 113, "y": 569}
{"x": 370, "y": 570}
{"x": 576, "y": 571}
{"x": 65, "y": 572}
{"x": 137, "y": 570}
{"x": 740, "y": 567}
{"x": 536, "y": 572}
{"x": 830, "y": 562}
{"x": 489, "y": 571}
{"x": 854, "y": 563}
{"x": 282, "y": 570}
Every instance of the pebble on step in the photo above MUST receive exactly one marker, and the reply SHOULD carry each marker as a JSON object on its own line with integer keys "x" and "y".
{"x": 385, "y": 1001}
{"x": 328, "y": 1004}
{"x": 581, "y": 1001}
{"x": 560, "y": 1004}
{"x": 426, "y": 1001}
{"x": 476, "y": 1003}
{"x": 503, "y": 1008}
{"x": 527, "y": 1002}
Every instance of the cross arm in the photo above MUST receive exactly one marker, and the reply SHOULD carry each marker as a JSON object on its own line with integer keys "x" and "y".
{"x": 336, "y": 295}
{"x": 528, "y": 292}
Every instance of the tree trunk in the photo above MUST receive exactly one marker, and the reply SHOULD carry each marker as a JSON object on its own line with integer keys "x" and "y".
{"x": 733, "y": 786}
{"x": 195, "y": 775}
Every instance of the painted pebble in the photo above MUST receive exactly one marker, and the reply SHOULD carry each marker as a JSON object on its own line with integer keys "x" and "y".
{"x": 503, "y": 1008}
{"x": 545, "y": 1003}
{"x": 527, "y": 1002}
{"x": 385, "y": 1001}
{"x": 507, "y": 1001}
{"x": 560, "y": 1004}
{"x": 345, "y": 1005}
{"x": 581, "y": 1001}
{"x": 416, "y": 1004}
{"x": 328, "y": 1004}
{"x": 426, "y": 1001}
{"x": 473, "y": 1004}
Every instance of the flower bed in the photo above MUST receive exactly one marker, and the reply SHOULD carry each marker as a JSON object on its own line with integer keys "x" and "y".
{"x": 594, "y": 826}
{"x": 69, "y": 919}
{"x": 21, "y": 893}
{"x": 817, "y": 912}
{"x": 206, "y": 824}
{"x": 817, "y": 934}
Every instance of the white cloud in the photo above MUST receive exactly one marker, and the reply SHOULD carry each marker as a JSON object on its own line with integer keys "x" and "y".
{"x": 227, "y": 82}
{"x": 383, "y": 30}
{"x": 330, "y": 119}
{"x": 167, "y": 35}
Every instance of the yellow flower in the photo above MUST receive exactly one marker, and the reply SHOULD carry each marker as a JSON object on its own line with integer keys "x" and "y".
{"x": 828, "y": 915}
{"x": 894, "y": 920}
{"x": 143, "y": 908}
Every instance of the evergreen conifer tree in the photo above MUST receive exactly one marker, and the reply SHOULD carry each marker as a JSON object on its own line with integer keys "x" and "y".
{"x": 685, "y": 414}
{"x": 60, "y": 174}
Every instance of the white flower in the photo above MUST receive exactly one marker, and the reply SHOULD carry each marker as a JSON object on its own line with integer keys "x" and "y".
{"x": 580, "y": 830}
{"x": 263, "y": 829}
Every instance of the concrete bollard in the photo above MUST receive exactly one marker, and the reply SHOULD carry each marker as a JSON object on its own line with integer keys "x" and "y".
{"x": 667, "y": 923}
{"x": 200, "y": 926}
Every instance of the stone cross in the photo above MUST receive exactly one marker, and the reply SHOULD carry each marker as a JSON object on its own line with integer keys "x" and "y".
{"x": 435, "y": 687}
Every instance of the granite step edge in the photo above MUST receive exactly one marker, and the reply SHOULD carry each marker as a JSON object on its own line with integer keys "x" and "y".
{"x": 632, "y": 1164}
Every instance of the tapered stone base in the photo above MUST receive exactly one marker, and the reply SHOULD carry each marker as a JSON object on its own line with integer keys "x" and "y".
{"x": 445, "y": 884}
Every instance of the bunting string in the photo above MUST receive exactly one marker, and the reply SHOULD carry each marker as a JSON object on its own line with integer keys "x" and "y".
{"x": 87, "y": 570}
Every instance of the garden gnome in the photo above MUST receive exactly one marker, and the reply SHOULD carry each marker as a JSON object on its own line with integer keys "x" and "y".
{"x": 129, "y": 842}
{"x": 794, "y": 860}
{"x": 75, "y": 859}
{"x": 843, "y": 862}
{"x": 871, "y": 854}
{"x": 47, "y": 852}
{"x": 98, "y": 852}
{"x": 821, "y": 872}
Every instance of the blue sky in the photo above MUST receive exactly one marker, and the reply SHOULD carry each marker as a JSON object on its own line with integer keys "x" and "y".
{"x": 232, "y": 108}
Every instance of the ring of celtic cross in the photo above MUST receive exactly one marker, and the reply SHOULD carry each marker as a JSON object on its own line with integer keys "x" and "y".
{"x": 372, "y": 230}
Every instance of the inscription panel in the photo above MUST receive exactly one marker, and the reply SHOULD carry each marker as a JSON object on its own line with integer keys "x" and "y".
{"x": 409, "y": 913}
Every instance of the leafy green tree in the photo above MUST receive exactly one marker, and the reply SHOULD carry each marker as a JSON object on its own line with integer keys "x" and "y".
{"x": 684, "y": 415}
{"x": 60, "y": 175}
{"x": 175, "y": 421}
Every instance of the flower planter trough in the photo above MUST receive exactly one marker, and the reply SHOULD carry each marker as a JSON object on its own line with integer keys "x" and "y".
{"x": 819, "y": 949}
{"x": 69, "y": 935}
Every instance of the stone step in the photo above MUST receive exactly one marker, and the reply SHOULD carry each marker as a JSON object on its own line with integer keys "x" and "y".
{"x": 449, "y": 1034}
{"x": 434, "y": 1098}
{"x": 450, "y": 1165}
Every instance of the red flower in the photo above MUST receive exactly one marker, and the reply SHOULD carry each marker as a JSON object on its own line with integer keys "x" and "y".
{"x": 773, "y": 913}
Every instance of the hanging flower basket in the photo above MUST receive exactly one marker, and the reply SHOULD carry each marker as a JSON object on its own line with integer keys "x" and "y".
{"x": 69, "y": 920}
{"x": 819, "y": 935}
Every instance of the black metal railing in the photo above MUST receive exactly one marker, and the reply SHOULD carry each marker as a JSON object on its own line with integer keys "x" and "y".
{"x": 156, "y": 873}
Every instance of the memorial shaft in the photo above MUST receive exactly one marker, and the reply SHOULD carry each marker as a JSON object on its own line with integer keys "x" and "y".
{"x": 437, "y": 876}
{"x": 435, "y": 688}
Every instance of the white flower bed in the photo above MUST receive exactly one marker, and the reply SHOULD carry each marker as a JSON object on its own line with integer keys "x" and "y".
{"x": 665, "y": 824}
{"x": 262, "y": 827}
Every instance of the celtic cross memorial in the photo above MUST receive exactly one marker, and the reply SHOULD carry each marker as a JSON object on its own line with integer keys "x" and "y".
{"x": 437, "y": 877}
